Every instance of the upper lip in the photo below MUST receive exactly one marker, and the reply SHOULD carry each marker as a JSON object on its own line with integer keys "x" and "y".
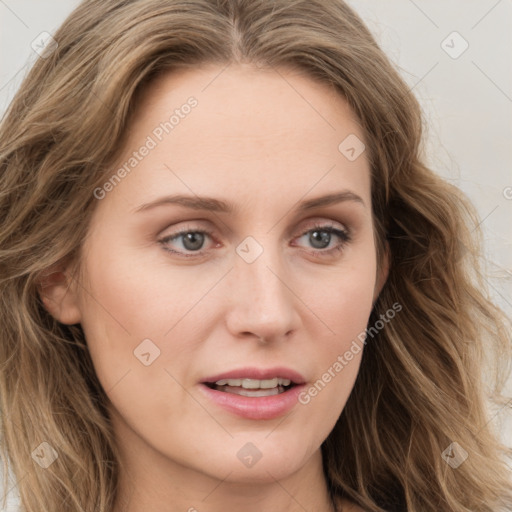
{"x": 258, "y": 374}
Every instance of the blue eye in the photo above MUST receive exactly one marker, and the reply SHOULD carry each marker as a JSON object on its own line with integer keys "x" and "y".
{"x": 320, "y": 238}
{"x": 190, "y": 240}
{"x": 190, "y": 243}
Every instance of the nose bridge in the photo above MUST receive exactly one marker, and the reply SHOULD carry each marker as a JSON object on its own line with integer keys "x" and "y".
{"x": 260, "y": 281}
{"x": 262, "y": 303}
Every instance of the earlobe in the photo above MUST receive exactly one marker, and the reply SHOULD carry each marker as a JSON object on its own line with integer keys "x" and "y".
{"x": 58, "y": 294}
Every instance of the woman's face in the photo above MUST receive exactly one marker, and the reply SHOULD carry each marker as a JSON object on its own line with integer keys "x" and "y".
{"x": 213, "y": 256}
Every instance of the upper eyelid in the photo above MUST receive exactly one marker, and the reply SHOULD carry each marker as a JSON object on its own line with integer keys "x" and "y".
{"x": 327, "y": 224}
{"x": 314, "y": 224}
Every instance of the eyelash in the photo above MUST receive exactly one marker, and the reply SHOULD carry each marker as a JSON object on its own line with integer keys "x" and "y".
{"x": 343, "y": 235}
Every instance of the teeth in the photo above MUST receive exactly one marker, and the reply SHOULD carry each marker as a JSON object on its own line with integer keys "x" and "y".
{"x": 254, "y": 383}
{"x": 255, "y": 393}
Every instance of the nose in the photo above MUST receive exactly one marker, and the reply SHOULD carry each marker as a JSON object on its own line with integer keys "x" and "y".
{"x": 262, "y": 303}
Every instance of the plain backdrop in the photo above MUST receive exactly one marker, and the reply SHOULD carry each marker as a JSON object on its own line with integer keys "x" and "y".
{"x": 457, "y": 57}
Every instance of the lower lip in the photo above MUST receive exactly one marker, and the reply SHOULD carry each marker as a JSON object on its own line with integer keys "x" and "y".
{"x": 255, "y": 408}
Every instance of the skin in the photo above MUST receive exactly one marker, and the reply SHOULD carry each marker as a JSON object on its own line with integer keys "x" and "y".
{"x": 264, "y": 141}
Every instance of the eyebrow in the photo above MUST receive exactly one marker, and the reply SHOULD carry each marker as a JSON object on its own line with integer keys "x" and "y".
{"x": 217, "y": 205}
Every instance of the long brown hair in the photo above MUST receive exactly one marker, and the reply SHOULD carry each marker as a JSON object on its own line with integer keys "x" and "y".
{"x": 421, "y": 381}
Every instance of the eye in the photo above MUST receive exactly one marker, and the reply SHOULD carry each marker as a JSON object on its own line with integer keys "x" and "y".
{"x": 323, "y": 239}
{"x": 189, "y": 240}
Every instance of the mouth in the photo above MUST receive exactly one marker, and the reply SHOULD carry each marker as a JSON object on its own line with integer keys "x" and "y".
{"x": 255, "y": 388}
{"x": 255, "y": 393}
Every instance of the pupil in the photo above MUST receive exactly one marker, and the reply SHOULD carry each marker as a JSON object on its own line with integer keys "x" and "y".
{"x": 193, "y": 241}
{"x": 320, "y": 237}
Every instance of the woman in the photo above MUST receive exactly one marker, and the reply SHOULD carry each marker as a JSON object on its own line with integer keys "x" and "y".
{"x": 228, "y": 280}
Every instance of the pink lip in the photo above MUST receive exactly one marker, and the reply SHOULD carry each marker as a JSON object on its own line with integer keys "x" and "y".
{"x": 259, "y": 374}
{"x": 260, "y": 408}
{"x": 256, "y": 408}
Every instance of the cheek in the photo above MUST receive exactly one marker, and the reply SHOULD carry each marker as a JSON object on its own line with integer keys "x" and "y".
{"x": 130, "y": 299}
{"x": 344, "y": 300}
{"x": 118, "y": 313}
{"x": 344, "y": 306}
{"x": 125, "y": 317}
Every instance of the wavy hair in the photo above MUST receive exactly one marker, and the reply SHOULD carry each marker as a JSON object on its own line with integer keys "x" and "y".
{"x": 422, "y": 382}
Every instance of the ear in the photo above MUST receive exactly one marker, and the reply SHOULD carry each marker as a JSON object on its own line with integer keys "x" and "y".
{"x": 382, "y": 272}
{"x": 58, "y": 292}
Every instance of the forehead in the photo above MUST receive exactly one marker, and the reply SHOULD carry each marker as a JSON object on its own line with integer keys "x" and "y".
{"x": 248, "y": 102}
{"x": 243, "y": 130}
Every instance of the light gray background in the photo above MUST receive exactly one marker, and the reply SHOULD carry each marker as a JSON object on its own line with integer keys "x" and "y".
{"x": 467, "y": 101}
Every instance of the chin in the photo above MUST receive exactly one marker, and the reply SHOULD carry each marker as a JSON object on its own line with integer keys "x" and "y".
{"x": 259, "y": 460}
